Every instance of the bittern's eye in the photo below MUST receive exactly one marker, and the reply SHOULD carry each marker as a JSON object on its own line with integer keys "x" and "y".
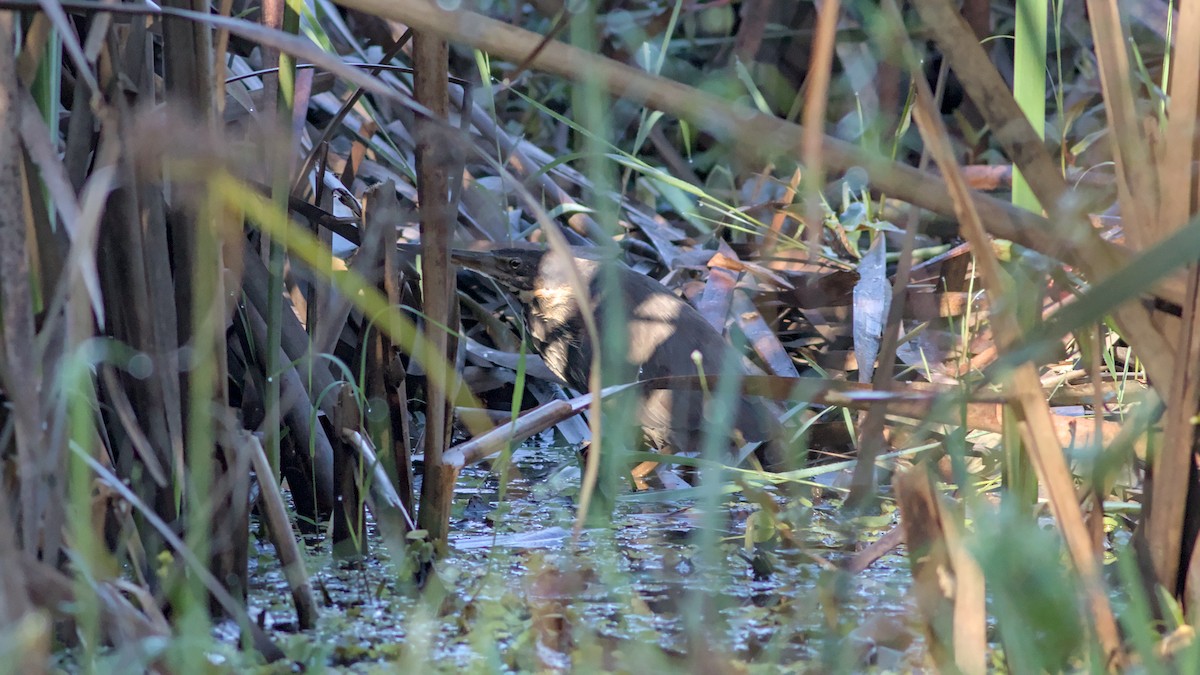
{"x": 514, "y": 263}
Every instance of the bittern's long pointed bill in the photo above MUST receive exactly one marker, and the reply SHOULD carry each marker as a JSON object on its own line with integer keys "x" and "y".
{"x": 515, "y": 268}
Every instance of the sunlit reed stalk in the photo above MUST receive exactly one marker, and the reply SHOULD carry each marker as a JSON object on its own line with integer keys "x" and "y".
{"x": 1029, "y": 81}
{"x": 590, "y": 103}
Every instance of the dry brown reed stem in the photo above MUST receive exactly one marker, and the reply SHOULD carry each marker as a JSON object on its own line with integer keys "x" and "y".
{"x": 1154, "y": 337}
{"x": 1138, "y": 189}
{"x": 279, "y": 528}
{"x": 811, "y": 147}
{"x": 1171, "y": 483}
{"x": 392, "y": 517}
{"x": 19, "y": 372}
{"x": 1179, "y": 179}
{"x": 532, "y": 422}
{"x": 1179, "y": 185}
{"x": 431, "y": 56}
{"x": 923, "y": 404}
{"x": 1033, "y": 412}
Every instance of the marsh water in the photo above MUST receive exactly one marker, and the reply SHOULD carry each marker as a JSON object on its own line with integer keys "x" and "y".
{"x": 667, "y": 586}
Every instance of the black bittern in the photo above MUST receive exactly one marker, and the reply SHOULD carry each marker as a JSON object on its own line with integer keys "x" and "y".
{"x": 664, "y": 334}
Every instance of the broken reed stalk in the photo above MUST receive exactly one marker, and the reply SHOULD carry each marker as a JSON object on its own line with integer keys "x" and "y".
{"x": 279, "y": 529}
{"x": 947, "y": 581}
{"x": 349, "y": 511}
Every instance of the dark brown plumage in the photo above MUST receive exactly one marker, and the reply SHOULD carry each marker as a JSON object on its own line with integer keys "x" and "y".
{"x": 663, "y": 332}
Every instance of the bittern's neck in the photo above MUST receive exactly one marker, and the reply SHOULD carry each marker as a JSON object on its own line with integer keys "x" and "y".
{"x": 552, "y": 304}
{"x": 553, "y": 297}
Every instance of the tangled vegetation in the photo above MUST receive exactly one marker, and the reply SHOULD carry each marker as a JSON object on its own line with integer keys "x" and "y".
{"x": 257, "y": 413}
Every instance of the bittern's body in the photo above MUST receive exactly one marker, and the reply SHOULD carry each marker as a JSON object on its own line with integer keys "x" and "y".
{"x": 663, "y": 332}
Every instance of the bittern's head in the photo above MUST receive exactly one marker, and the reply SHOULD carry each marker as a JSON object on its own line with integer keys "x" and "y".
{"x": 516, "y": 268}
